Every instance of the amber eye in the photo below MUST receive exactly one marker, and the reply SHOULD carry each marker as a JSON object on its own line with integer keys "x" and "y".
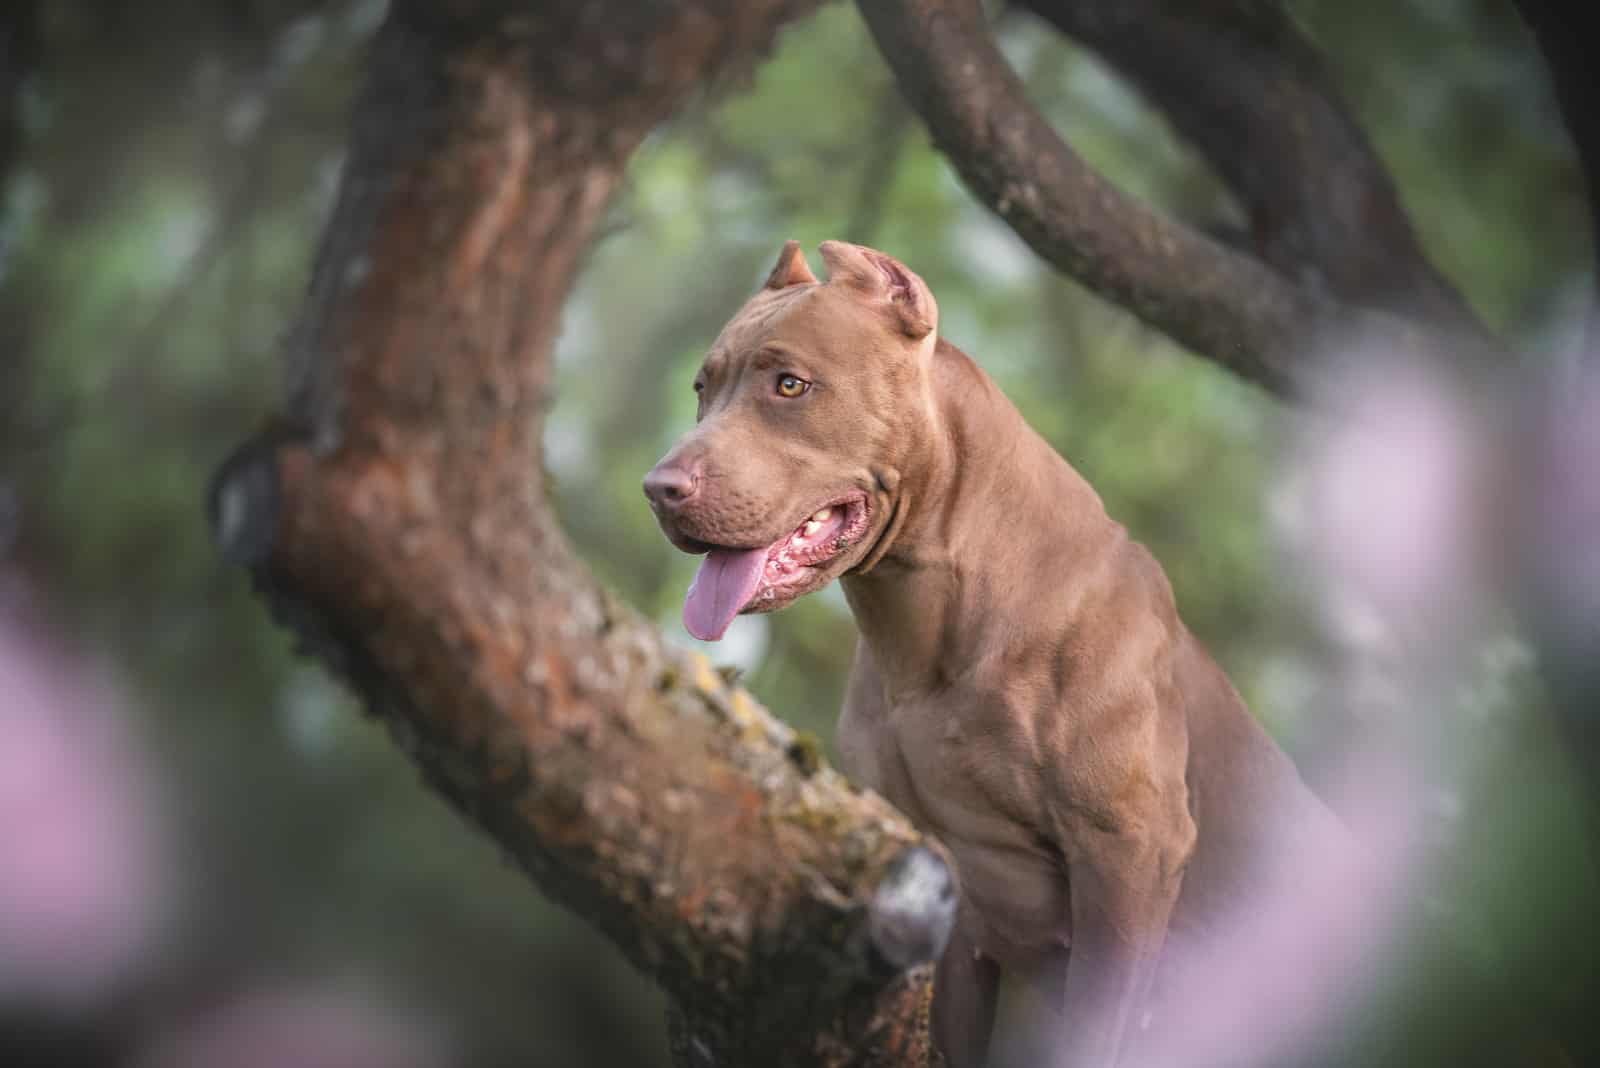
{"x": 790, "y": 386}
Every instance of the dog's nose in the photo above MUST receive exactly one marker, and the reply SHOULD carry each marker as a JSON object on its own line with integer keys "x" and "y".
{"x": 669, "y": 486}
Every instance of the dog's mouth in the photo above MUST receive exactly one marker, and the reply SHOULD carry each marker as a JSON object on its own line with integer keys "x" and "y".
{"x": 761, "y": 579}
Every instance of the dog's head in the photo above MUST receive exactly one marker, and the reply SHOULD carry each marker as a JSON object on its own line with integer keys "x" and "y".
{"x": 811, "y": 398}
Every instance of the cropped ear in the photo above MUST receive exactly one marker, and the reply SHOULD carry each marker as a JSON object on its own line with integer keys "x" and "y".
{"x": 791, "y": 269}
{"x": 880, "y": 277}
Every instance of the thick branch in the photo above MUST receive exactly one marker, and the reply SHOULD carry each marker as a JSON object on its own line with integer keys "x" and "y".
{"x": 1221, "y": 303}
{"x": 1218, "y": 302}
{"x": 1241, "y": 83}
{"x": 395, "y": 521}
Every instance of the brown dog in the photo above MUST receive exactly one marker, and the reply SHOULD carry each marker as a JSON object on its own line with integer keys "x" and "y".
{"x": 1023, "y": 687}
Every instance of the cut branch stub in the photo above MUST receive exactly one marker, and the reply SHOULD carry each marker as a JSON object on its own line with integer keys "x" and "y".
{"x": 912, "y": 909}
{"x": 401, "y": 532}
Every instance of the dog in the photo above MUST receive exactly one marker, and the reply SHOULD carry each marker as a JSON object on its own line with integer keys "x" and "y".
{"x": 1023, "y": 687}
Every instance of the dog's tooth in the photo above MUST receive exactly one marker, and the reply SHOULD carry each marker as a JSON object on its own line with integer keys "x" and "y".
{"x": 821, "y": 515}
{"x": 811, "y": 527}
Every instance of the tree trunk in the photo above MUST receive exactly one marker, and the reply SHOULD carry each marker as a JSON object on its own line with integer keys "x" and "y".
{"x": 395, "y": 520}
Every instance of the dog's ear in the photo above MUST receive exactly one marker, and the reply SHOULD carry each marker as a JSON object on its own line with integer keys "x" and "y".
{"x": 791, "y": 269}
{"x": 881, "y": 277}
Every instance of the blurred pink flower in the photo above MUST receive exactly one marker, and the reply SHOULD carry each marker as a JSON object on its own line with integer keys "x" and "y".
{"x": 1559, "y": 507}
{"x": 82, "y": 875}
{"x": 1289, "y": 967}
{"x": 324, "y": 1025}
{"x": 1382, "y": 500}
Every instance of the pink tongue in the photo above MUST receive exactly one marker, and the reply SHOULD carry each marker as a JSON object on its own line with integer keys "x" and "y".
{"x": 725, "y": 582}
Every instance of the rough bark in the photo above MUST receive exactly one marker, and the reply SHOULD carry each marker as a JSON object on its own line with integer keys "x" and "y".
{"x": 394, "y": 518}
{"x": 1240, "y": 82}
{"x": 1222, "y": 303}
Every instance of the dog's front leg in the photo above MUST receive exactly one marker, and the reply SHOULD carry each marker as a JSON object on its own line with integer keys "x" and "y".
{"x": 1123, "y": 887}
{"x": 964, "y": 988}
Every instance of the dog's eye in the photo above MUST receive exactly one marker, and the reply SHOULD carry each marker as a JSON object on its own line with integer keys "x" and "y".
{"x": 790, "y": 386}
{"x": 699, "y": 386}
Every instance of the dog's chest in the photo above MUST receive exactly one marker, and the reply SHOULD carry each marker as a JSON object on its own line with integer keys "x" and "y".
{"x": 964, "y": 770}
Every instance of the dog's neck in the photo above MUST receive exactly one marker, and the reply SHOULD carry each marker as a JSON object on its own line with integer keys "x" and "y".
{"x": 953, "y": 572}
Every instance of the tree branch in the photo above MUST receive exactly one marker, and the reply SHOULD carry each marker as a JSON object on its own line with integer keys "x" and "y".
{"x": 1219, "y": 302}
{"x": 1241, "y": 83}
{"x": 394, "y": 521}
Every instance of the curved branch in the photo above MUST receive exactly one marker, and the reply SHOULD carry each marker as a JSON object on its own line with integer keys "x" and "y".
{"x": 394, "y": 520}
{"x": 1241, "y": 83}
{"x": 1220, "y": 302}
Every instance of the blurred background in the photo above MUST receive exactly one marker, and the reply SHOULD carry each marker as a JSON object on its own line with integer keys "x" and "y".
{"x": 209, "y": 856}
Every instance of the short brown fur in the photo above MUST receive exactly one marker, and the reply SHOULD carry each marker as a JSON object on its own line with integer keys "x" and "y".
{"x": 1023, "y": 686}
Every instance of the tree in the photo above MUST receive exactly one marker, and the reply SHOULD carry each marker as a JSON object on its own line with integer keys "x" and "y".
{"x": 394, "y": 519}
